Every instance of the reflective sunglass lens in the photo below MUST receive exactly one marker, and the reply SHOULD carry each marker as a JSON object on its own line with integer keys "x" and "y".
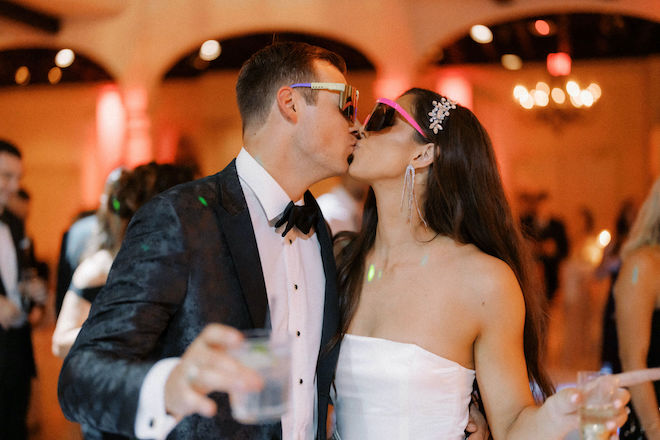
{"x": 380, "y": 118}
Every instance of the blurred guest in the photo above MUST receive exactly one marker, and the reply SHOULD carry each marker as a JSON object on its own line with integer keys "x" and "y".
{"x": 637, "y": 295}
{"x": 342, "y": 206}
{"x": 19, "y": 205}
{"x": 75, "y": 240}
{"x": 577, "y": 282}
{"x": 549, "y": 237}
{"x": 17, "y": 367}
{"x": 609, "y": 266}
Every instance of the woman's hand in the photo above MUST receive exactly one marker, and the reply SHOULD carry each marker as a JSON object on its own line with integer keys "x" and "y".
{"x": 561, "y": 410}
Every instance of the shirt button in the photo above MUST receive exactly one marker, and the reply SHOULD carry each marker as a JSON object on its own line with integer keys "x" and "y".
{"x": 290, "y": 241}
{"x": 295, "y": 286}
{"x": 300, "y": 381}
{"x": 298, "y": 333}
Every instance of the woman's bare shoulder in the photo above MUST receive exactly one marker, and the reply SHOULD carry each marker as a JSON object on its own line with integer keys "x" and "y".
{"x": 93, "y": 270}
{"x": 484, "y": 280}
{"x": 638, "y": 272}
{"x": 646, "y": 256}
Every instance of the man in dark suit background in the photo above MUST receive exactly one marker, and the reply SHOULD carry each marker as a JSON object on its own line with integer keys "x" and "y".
{"x": 17, "y": 366}
{"x": 218, "y": 254}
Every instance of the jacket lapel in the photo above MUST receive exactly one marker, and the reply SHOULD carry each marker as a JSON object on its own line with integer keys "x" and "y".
{"x": 235, "y": 222}
{"x": 327, "y": 359}
{"x": 331, "y": 302}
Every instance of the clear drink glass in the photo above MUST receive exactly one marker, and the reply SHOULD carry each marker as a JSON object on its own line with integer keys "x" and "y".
{"x": 271, "y": 358}
{"x": 597, "y": 407}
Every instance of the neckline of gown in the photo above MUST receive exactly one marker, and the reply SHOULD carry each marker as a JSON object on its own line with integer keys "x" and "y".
{"x": 410, "y": 344}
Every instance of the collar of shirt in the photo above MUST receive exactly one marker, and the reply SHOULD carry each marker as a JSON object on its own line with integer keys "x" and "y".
{"x": 272, "y": 198}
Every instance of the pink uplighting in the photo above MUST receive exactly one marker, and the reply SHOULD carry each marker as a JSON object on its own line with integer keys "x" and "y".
{"x": 559, "y": 64}
{"x": 110, "y": 125}
{"x": 138, "y": 142}
{"x": 106, "y": 154}
{"x": 456, "y": 87}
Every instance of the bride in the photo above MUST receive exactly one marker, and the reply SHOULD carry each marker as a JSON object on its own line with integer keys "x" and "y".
{"x": 435, "y": 288}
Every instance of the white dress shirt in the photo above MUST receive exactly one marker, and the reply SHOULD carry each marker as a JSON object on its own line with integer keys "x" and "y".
{"x": 9, "y": 272}
{"x": 295, "y": 300}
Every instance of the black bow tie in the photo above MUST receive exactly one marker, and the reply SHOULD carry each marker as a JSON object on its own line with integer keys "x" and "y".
{"x": 302, "y": 217}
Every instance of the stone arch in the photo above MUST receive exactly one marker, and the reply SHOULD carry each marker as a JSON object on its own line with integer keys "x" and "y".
{"x": 39, "y": 58}
{"x": 238, "y": 47}
{"x": 460, "y": 24}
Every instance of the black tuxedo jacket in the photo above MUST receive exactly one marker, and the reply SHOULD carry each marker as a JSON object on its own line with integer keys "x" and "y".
{"x": 189, "y": 258}
{"x": 16, "y": 355}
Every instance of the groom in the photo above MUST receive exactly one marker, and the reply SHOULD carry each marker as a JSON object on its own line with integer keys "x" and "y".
{"x": 216, "y": 255}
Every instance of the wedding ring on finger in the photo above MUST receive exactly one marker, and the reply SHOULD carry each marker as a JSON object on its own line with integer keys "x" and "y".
{"x": 191, "y": 374}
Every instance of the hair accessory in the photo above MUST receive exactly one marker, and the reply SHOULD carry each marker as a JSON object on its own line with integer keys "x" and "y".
{"x": 409, "y": 187}
{"x": 439, "y": 113}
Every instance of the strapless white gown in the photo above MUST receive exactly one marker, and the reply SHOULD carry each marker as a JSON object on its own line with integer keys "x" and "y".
{"x": 399, "y": 391}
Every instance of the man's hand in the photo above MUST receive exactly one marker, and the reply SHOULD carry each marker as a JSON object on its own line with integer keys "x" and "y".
{"x": 563, "y": 407}
{"x": 477, "y": 426}
{"x": 206, "y": 366}
{"x": 9, "y": 312}
{"x": 34, "y": 289}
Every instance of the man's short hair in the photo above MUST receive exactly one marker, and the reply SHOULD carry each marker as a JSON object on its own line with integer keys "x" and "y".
{"x": 275, "y": 66}
{"x": 9, "y": 148}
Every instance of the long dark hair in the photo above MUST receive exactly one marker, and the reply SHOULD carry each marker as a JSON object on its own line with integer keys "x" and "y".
{"x": 465, "y": 201}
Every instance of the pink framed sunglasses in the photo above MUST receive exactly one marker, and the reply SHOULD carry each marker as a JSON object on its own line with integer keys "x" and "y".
{"x": 383, "y": 116}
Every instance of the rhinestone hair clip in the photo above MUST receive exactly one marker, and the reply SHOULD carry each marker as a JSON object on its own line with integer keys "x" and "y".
{"x": 439, "y": 113}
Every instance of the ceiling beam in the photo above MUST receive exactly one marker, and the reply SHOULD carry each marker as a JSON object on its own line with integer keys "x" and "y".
{"x": 38, "y": 20}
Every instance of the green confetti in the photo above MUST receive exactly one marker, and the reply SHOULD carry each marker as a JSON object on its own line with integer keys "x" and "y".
{"x": 116, "y": 205}
{"x": 635, "y": 276}
{"x": 371, "y": 272}
{"x": 202, "y": 201}
{"x": 145, "y": 247}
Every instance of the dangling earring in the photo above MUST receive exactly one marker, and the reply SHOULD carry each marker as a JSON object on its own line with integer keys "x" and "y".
{"x": 409, "y": 187}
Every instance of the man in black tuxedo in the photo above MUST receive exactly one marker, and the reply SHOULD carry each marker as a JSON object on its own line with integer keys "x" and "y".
{"x": 17, "y": 366}
{"x": 220, "y": 254}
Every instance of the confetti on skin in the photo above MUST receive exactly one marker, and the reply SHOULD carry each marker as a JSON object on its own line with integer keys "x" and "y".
{"x": 370, "y": 273}
{"x": 145, "y": 247}
{"x": 425, "y": 260}
{"x": 380, "y": 274}
{"x": 116, "y": 205}
{"x": 202, "y": 201}
{"x": 635, "y": 276}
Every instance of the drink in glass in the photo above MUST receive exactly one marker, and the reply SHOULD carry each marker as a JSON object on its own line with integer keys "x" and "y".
{"x": 271, "y": 358}
{"x": 597, "y": 407}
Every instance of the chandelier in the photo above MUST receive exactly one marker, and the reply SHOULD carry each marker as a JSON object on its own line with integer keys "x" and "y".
{"x": 561, "y": 98}
{"x": 553, "y": 95}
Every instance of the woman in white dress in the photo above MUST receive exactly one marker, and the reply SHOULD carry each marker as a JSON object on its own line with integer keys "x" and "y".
{"x": 435, "y": 289}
